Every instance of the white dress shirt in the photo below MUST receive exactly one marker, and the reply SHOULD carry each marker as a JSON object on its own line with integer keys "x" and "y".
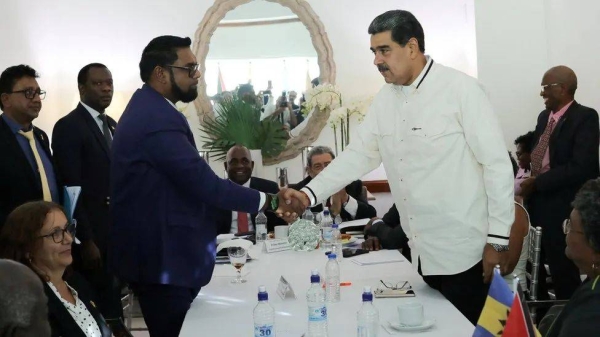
{"x": 234, "y": 215}
{"x": 446, "y": 162}
{"x": 96, "y": 116}
{"x": 79, "y": 312}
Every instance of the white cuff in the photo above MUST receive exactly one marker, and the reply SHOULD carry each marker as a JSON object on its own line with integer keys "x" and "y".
{"x": 311, "y": 195}
{"x": 261, "y": 203}
{"x": 351, "y": 207}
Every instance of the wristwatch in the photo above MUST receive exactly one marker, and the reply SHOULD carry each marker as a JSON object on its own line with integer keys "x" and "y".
{"x": 499, "y": 248}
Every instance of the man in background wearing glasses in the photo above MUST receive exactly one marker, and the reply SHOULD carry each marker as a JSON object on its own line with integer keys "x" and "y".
{"x": 26, "y": 170}
{"x": 564, "y": 157}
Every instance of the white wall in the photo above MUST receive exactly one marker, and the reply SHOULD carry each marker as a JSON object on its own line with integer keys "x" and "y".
{"x": 58, "y": 39}
{"x": 517, "y": 41}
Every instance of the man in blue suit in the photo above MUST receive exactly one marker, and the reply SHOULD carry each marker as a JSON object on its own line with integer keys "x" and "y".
{"x": 164, "y": 195}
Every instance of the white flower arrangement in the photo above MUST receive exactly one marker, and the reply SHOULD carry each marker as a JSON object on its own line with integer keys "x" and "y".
{"x": 323, "y": 96}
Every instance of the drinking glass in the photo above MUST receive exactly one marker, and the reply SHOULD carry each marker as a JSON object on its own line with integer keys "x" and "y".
{"x": 237, "y": 257}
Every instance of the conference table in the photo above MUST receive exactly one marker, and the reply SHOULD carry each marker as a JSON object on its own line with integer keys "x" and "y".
{"x": 223, "y": 308}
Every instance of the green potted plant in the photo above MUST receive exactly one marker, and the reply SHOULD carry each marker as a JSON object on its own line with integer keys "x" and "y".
{"x": 238, "y": 122}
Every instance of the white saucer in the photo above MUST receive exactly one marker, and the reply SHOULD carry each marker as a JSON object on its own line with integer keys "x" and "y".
{"x": 428, "y": 323}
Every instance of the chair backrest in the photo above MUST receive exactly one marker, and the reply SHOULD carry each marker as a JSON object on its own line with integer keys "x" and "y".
{"x": 535, "y": 247}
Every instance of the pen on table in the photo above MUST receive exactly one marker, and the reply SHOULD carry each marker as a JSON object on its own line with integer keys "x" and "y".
{"x": 342, "y": 284}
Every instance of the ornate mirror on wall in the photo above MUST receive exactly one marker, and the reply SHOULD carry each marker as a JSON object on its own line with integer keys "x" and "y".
{"x": 277, "y": 46}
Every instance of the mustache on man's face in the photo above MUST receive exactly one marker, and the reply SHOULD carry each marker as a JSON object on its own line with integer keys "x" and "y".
{"x": 382, "y": 67}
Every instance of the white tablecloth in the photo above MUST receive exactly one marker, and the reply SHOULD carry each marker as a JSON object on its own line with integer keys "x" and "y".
{"x": 225, "y": 309}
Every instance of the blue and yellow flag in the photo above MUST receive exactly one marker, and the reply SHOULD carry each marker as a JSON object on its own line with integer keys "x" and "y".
{"x": 495, "y": 311}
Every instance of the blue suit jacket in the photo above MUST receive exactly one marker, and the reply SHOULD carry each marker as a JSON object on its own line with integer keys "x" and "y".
{"x": 163, "y": 198}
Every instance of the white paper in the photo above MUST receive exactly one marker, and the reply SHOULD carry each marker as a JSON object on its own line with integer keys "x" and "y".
{"x": 277, "y": 245}
{"x": 379, "y": 257}
{"x": 359, "y": 222}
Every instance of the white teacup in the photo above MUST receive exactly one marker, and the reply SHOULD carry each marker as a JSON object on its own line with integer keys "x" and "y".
{"x": 411, "y": 313}
{"x": 282, "y": 232}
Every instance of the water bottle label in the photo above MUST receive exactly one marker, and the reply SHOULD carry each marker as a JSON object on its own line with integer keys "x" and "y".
{"x": 263, "y": 330}
{"x": 327, "y": 234}
{"x": 317, "y": 314}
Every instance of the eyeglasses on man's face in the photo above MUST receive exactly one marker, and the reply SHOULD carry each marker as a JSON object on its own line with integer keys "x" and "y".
{"x": 192, "y": 69}
{"x": 30, "y": 93}
{"x": 546, "y": 87}
{"x": 58, "y": 235}
{"x": 567, "y": 228}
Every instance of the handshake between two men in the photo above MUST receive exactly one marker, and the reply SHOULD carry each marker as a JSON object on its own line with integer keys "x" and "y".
{"x": 289, "y": 204}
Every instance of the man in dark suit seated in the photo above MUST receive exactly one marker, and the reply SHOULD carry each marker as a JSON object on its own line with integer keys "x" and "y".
{"x": 349, "y": 201}
{"x": 386, "y": 233}
{"x": 564, "y": 157}
{"x": 239, "y": 166}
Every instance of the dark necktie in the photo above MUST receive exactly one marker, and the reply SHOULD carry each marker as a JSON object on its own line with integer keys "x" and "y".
{"x": 538, "y": 153}
{"x": 106, "y": 129}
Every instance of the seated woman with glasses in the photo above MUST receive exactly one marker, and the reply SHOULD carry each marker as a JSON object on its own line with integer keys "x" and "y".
{"x": 38, "y": 235}
{"x": 581, "y": 315}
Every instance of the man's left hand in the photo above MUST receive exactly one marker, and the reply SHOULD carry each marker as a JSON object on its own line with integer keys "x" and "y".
{"x": 491, "y": 258}
{"x": 527, "y": 187}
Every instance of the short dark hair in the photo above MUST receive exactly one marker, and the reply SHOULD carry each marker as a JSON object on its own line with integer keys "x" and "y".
{"x": 526, "y": 141}
{"x": 317, "y": 150}
{"x": 82, "y": 77}
{"x": 11, "y": 75}
{"x": 587, "y": 203}
{"x": 403, "y": 26}
{"x": 161, "y": 51}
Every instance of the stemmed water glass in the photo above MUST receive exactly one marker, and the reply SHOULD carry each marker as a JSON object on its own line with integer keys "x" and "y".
{"x": 237, "y": 257}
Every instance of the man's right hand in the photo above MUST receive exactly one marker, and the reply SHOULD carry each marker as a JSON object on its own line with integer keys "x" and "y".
{"x": 290, "y": 204}
{"x": 372, "y": 243}
{"x": 90, "y": 254}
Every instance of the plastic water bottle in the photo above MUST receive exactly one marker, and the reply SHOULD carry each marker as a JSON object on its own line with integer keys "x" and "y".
{"x": 332, "y": 279}
{"x": 368, "y": 316}
{"x": 261, "y": 227}
{"x": 308, "y": 215}
{"x": 336, "y": 241}
{"x": 338, "y": 219}
{"x": 264, "y": 315}
{"x": 326, "y": 223}
{"x": 317, "y": 308}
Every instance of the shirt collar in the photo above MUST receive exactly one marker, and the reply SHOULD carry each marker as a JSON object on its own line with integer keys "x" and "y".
{"x": 246, "y": 184}
{"x": 415, "y": 84}
{"x": 91, "y": 110}
{"x": 173, "y": 105}
{"x": 562, "y": 111}
{"x": 13, "y": 125}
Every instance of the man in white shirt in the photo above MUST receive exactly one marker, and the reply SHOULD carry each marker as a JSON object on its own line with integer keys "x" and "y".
{"x": 445, "y": 158}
